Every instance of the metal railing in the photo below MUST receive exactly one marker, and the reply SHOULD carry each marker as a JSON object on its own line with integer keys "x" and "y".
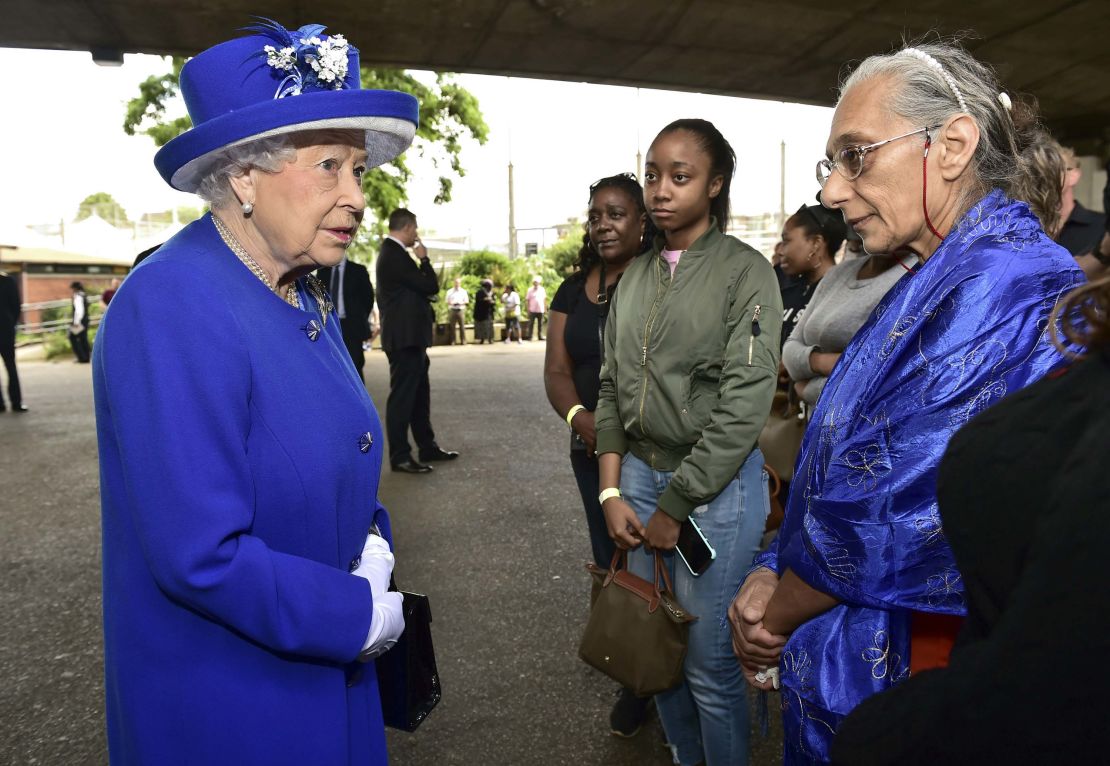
{"x": 53, "y": 325}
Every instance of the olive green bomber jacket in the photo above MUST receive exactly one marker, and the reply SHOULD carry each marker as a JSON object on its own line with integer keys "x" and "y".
{"x": 690, "y": 365}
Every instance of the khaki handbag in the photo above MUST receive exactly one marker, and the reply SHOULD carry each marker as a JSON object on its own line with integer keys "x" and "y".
{"x": 781, "y": 438}
{"x": 637, "y": 632}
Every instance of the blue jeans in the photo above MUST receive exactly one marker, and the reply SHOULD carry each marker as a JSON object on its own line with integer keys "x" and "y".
{"x": 706, "y": 717}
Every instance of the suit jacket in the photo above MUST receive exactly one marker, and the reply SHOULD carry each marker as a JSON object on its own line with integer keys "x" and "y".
{"x": 230, "y": 523}
{"x": 9, "y": 303}
{"x": 358, "y": 297}
{"x": 405, "y": 295}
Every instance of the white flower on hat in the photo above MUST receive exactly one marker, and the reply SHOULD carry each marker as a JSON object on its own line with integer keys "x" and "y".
{"x": 330, "y": 61}
{"x": 307, "y": 60}
{"x": 285, "y": 59}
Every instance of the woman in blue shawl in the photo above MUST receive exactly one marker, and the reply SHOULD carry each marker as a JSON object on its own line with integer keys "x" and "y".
{"x": 923, "y": 149}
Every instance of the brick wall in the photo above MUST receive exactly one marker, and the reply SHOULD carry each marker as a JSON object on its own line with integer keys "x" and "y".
{"x": 38, "y": 288}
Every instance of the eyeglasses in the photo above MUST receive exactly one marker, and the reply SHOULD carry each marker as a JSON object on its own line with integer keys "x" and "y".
{"x": 849, "y": 160}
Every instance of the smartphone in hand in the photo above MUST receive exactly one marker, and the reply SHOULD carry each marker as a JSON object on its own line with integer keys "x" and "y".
{"x": 694, "y": 550}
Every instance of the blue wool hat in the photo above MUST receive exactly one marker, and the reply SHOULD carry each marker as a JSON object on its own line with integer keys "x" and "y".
{"x": 279, "y": 81}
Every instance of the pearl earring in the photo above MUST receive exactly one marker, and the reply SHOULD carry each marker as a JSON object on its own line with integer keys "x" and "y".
{"x": 248, "y": 208}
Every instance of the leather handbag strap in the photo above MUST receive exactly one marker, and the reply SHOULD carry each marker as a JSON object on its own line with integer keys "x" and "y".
{"x": 661, "y": 570}
{"x": 652, "y": 593}
{"x": 776, "y": 482}
{"x": 620, "y": 561}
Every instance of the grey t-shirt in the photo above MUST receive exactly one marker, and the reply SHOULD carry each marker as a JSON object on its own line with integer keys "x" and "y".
{"x": 838, "y": 308}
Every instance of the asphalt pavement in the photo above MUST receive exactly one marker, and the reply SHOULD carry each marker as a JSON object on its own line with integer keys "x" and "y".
{"x": 497, "y": 539}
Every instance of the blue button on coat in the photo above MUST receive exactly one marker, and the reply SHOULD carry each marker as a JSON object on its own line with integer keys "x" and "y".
{"x": 234, "y": 497}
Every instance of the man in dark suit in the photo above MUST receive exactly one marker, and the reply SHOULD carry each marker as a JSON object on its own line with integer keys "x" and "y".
{"x": 406, "y": 292}
{"x": 353, "y": 295}
{"x": 9, "y": 317}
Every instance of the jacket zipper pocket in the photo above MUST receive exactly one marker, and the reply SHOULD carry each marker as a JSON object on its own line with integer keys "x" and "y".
{"x": 644, "y": 350}
{"x": 755, "y": 332}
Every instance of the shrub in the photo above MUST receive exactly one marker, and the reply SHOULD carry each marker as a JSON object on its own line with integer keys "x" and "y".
{"x": 483, "y": 264}
{"x": 564, "y": 254}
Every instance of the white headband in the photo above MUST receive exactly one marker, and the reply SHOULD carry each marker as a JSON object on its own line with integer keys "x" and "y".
{"x": 943, "y": 73}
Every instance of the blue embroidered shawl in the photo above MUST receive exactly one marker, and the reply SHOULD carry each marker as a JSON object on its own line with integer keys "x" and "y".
{"x": 966, "y": 328}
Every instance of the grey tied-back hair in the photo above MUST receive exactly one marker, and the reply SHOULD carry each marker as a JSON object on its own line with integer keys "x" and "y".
{"x": 268, "y": 154}
{"x": 940, "y": 79}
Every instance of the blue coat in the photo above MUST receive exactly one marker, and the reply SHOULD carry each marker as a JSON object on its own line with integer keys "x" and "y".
{"x": 239, "y": 463}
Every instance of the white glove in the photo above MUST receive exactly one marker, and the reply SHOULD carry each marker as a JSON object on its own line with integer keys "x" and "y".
{"x": 386, "y": 626}
{"x": 376, "y": 565}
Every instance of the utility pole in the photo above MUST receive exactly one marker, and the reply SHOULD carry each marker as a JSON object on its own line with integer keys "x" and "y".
{"x": 512, "y": 215}
{"x": 782, "y": 184}
{"x": 639, "y": 156}
{"x": 512, "y": 198}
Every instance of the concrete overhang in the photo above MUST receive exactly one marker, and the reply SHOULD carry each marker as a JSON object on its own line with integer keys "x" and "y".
{"x": 791, "y": 50}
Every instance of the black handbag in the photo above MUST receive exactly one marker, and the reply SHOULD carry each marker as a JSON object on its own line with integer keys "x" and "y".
{"x": 407, "y": 676}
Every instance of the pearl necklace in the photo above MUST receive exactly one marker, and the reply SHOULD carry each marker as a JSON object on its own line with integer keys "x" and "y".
{"x": 244, "y": 257}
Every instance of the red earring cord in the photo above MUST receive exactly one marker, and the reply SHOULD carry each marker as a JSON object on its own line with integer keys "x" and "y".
{"x": 925, "y": 186}
{"x": 924, "y": 192}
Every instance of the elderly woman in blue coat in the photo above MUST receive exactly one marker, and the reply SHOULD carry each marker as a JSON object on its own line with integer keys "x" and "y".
{"x": 246, "y": 556}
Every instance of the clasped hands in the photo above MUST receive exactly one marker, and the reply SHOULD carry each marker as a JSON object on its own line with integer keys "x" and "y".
{"x": 756, "y": 647}
{"x": 388, "y": 622}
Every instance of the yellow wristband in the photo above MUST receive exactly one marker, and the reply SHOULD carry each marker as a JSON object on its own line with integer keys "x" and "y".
{"x": 574, "y": 411}
{"x": 606, "y": 494}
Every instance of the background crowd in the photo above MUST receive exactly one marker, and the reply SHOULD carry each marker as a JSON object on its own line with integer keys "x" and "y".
{"x": 933, "y": 330}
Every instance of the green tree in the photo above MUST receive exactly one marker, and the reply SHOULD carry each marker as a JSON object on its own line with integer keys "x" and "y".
{"x": 482, "y": 264}
{"x": 105, "y": 206}
{"x": 185, "y": 214}
{"x": 562, "y": 255}
{"x": 448, "y": 114}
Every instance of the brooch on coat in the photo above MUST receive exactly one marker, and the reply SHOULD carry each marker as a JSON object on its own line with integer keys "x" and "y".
{"x": 323, "y": 302}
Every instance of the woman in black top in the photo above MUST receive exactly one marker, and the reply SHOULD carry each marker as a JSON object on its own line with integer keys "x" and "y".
{"x": 617, "y": 230}
{"x": 810, "y": 239}
{"x": 483, "y": 312}
{"x": 1023, "y": 491}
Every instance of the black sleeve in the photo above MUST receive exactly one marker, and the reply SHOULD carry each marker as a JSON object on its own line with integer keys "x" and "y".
{"x": 561, "y": 301}
{"x": 9, "y": 299}
{"x": 361, "y": 287}
{"x": 1034, "y": 689}
{"x": 396, "y": 269}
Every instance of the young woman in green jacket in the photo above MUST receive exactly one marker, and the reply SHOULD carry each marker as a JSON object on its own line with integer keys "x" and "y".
{"x": 692, "y": 351}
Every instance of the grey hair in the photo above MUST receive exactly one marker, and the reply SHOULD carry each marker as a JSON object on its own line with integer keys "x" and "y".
{"x": 941, "y": 79}
{"x": 268, "y": 154}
